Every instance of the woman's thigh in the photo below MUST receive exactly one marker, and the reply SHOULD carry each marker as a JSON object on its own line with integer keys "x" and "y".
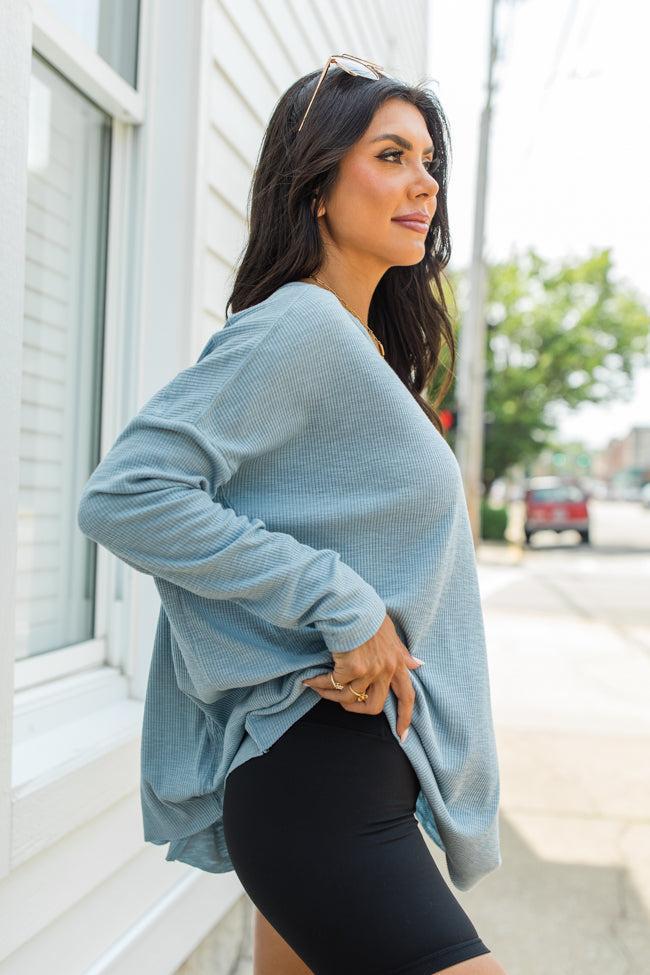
{"x": 322, "y": 834}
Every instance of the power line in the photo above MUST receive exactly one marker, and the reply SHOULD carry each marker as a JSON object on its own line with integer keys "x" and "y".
{"x": 564, "y": 37}
{"x": 551, "y": 78}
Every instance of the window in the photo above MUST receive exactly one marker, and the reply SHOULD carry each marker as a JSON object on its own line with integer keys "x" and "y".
{"x": 65, "y": 247}
{"x": 109, "y": 27}
{"x": 562, "y": 493}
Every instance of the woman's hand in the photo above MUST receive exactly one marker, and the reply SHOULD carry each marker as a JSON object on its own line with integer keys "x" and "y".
{"x": 376, "y": 666}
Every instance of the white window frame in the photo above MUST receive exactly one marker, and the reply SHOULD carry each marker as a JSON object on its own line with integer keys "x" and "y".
{"x": 69, "y": 53}
{"x": 72, "y": 707}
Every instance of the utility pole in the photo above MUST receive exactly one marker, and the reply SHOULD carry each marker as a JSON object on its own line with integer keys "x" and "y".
{"x": 470, "y": 391}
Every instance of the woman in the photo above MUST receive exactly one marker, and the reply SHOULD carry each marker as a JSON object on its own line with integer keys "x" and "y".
{"x": 306, "y": 528}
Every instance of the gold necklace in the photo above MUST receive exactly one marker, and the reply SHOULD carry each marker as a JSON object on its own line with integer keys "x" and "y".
{"x": 367, "y": 327}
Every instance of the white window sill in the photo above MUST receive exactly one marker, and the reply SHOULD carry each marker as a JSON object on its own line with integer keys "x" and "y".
{"x": 76, "y": 751}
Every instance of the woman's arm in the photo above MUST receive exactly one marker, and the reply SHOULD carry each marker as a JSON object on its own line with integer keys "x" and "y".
{"x": 151, "y": 501}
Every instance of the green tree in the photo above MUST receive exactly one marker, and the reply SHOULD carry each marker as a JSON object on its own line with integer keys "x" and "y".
{"x": 558, "y": 335}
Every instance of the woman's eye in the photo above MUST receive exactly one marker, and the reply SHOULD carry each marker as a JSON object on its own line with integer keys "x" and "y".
{"x": 431, "y": 164}
{"x": 391, "y": 152}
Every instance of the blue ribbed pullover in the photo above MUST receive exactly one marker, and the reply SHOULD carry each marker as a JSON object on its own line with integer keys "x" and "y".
{"x": 285, "y": 492}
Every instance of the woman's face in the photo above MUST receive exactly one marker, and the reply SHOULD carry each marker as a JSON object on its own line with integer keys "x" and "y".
{"x": 379, "y": 180}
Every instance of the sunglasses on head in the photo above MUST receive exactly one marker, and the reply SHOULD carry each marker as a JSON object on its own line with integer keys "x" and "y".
{"x": 353, "y": 66}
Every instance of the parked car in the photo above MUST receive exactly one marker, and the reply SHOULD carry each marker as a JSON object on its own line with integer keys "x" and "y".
{"x": 552, "y": 504}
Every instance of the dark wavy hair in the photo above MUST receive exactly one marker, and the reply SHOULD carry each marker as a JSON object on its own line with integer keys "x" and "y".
{"x": 408, "y": 311}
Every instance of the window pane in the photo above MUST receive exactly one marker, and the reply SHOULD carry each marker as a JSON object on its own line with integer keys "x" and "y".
{"x": 109, "y": 27}
{"x": 562, "y": 493}
{"x": 67, "y": 201}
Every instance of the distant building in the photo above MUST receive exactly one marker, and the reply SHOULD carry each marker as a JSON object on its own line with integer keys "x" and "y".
{"x": 626, "y": 460}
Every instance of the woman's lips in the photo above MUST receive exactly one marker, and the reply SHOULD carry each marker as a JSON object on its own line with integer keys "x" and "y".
{"x": 419, "y": 225}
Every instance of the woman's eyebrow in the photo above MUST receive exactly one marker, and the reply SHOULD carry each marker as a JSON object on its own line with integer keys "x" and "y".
{"x": 404, "y": 143}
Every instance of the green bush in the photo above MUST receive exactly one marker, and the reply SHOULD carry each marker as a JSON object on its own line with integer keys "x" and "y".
{"x": 493, "y": 522}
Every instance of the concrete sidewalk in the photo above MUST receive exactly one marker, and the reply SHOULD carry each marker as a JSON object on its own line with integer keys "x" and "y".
{"x": 572, "y": 717}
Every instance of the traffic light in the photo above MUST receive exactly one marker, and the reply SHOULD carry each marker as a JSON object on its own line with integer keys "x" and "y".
{"x": 448, "y": 419}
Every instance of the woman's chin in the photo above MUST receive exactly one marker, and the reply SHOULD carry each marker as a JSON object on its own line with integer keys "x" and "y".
{"x": 408, "y": 260}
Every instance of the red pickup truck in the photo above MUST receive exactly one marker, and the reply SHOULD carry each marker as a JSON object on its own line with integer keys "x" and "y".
{"x": 555, "y": 505}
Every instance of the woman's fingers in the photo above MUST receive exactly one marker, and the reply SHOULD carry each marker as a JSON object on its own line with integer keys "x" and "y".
{"x": 376, "y": 666}
{"x": 323, "y": 684}
{"x": 412, "y": 662}
{"x": 402, "y": 685}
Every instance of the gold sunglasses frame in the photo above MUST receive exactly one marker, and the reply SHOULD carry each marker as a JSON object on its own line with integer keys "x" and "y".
{"x": 333, "y": 59}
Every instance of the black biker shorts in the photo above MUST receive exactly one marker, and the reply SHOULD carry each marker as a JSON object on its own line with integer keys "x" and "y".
{"x": 322, "y": 834}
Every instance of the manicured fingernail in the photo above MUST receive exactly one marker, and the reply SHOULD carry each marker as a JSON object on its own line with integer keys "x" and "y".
{"x": 418, "y": 661}
{"x": 403, "y": 737}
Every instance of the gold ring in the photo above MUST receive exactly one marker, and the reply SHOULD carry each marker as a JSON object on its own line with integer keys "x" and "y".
{"x": 361, "y": 696}
{"x": 339, "y": 687}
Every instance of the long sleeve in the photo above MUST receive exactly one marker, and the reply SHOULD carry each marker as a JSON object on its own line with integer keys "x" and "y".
{"x": 153, "y": 500}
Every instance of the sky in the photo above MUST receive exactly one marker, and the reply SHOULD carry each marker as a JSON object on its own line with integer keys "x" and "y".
{"x": 569, "y": 146}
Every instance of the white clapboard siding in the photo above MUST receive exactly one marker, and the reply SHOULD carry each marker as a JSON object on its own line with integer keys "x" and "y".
{"x": 254, "y": 51}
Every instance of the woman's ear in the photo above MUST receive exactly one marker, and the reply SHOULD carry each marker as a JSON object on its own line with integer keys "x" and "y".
{"x": 321, "y": 209}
